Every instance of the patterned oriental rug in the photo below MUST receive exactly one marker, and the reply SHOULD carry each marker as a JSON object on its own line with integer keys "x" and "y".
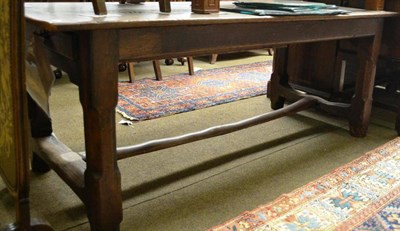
{"x": 149, "y": 98}
{"x": 362, "y": 195}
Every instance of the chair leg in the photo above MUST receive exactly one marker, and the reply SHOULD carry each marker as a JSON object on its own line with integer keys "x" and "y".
{"x": 190, "y": 65}
{"x": 269, "y": 51}
{"x": 131, "y": 73}
{"x": 157, "y": 69}
{"x": 213, "y": 58}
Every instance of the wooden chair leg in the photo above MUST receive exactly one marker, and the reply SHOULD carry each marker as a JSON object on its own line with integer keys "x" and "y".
{"x": 99, "y": 7}
{"x": 397, "y": 125}
{"x": 165, "y": 5}
{"x": 213, "y": 58}
{"x": 157, "y": 69}
{"x": 131, "y": 73}
{"x": 190, "y": 65}
{"x": 269, "y": 51}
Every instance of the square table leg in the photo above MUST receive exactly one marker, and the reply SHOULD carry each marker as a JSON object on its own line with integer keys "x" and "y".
{"x": 98, "y": 94}
{"x": 367, "y": 52}
{"x": 279, "y": 78}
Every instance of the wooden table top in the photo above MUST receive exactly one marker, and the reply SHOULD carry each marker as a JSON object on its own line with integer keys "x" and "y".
{"x": 80, "y": 16}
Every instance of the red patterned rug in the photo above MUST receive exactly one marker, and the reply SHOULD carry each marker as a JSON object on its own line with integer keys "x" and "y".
{"x": 362, "y": 195}
{"x": 148, "y": 98}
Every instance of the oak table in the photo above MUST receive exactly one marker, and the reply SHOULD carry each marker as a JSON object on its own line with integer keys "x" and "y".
{"x": 89, "y": 47}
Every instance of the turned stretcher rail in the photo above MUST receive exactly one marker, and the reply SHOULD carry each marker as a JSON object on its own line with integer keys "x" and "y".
{"x": 154, "y": 145}
{"x": 334, "y": 108}
{"x": 62, "y": 159}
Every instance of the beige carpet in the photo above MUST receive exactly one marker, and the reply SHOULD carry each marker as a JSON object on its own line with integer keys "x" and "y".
{"x": 198, "y": 185}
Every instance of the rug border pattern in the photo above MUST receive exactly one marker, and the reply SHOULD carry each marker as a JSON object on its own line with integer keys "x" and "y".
{"x": 260, "y": 217}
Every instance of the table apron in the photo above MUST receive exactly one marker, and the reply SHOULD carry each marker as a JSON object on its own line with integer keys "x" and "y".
{"x": 160, "y": 42}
